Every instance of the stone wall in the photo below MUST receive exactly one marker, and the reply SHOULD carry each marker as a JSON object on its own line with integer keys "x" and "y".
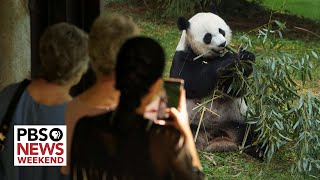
{"x": 14, "y": 41}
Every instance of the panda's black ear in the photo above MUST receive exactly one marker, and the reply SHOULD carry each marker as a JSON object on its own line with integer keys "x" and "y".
{"x": 183, "y": 23}
{"x": 213, "y": 9}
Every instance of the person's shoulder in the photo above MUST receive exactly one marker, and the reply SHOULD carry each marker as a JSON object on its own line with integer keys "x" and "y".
{"x": 72, "y": 108}
{"x": 6, "y": 94}
{"x": 9, "y": 89}
{"x": 73, "y": 102}
{"x": 74, "y": 105}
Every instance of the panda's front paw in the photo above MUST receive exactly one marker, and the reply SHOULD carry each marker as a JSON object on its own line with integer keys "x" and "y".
{"x": 246, "y": 55}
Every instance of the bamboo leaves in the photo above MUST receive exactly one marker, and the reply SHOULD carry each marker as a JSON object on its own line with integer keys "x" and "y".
{"x": 283, "y": 110}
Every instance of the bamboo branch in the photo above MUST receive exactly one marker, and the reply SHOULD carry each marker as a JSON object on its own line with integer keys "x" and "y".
{"x": 306, "y": 30}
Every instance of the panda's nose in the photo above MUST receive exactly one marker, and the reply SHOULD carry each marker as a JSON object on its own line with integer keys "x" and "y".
{"x": 223, "y": 44}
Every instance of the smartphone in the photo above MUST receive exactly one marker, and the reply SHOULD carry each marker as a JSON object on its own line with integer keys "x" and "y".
{"x": 172, "y": 87}
{"x": 170, "y": 97}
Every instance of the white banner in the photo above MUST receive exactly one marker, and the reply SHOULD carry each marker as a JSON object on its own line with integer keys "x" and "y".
{"x": 40, "y": 145}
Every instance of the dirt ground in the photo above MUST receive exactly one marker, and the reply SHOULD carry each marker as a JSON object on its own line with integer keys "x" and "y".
{"x": 296, "y": 27}
{"x": 248, "y": 18}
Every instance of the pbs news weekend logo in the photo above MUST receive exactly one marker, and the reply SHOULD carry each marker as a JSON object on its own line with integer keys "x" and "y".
{"x": 37, "y": 145}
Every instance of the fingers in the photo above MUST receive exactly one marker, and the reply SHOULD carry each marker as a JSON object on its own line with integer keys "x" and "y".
{"x": 183, "y": 104}
{"x": 163, "y": 123}
{"x": 179, "y": 117}
{"x": 175, "y": 114}
{"x": 180, "y": 121}
{"x": 182, "y": 100}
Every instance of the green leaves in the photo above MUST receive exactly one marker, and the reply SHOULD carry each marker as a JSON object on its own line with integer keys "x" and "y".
{"x": 283, "y": 110}
{"x": 315, "y": 55}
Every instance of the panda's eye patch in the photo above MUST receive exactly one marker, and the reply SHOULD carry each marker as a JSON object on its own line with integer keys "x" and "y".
{"x": 207, "y": 38}
{"x": 222, "y": 32}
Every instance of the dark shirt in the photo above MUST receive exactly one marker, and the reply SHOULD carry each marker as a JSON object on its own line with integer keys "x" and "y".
{"x": 108, "y": 148}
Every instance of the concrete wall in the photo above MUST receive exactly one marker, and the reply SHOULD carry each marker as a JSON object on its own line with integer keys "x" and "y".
{"x": 14, "y": 41}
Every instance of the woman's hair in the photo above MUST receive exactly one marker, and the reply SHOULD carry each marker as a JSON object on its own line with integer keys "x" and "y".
{"x": 140, "y": 64}
{"x": 63, "y": 53}
{"x": 107, "y": 35}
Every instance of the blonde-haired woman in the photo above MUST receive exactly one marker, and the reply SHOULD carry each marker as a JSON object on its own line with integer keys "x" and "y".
{"x": 107, "y": 35}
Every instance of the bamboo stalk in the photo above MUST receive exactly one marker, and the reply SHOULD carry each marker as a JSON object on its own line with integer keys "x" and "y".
{"x": 198, "y": 128}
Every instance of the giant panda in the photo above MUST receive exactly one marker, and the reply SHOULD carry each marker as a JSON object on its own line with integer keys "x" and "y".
{"x": 203, "y": 61}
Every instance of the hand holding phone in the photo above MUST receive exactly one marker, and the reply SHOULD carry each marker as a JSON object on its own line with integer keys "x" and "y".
{"x": 170, "y": 97}
{"x": 180, "y": 120}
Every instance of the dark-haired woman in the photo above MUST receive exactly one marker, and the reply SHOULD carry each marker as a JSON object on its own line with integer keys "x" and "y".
{"x": 123, "y": 144}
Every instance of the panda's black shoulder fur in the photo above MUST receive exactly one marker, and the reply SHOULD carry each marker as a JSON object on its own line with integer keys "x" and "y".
{"x": 200, "y": 75}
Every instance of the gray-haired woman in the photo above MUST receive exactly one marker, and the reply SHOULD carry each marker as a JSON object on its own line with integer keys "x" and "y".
{"x": 64, "y": 58}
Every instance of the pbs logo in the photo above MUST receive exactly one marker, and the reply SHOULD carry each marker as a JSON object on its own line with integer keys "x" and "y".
{"x": 40, "y": 145}
{"x": 56, "y": 134}
{"x": 40, "y": 133}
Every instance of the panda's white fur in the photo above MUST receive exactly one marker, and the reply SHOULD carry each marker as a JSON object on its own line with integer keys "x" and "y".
{"x": 224, "y": 116}
{"x": 200, "y": 24}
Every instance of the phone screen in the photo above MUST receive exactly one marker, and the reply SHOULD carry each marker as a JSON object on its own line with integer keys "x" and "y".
{"x": 172, "y": 88}
{"x": 170, "y": 96}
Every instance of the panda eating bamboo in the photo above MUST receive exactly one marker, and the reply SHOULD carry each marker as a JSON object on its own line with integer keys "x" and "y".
{"x": 207, "y": 67}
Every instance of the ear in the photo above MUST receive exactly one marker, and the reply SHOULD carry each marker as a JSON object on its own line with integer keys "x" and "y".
{"x": 213, "y": 9}
{"x": 182, "y": 23}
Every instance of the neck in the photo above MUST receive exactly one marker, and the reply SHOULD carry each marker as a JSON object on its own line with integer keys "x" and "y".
{"x": 49, "y": 93}
{"x": 102, "y": 93}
